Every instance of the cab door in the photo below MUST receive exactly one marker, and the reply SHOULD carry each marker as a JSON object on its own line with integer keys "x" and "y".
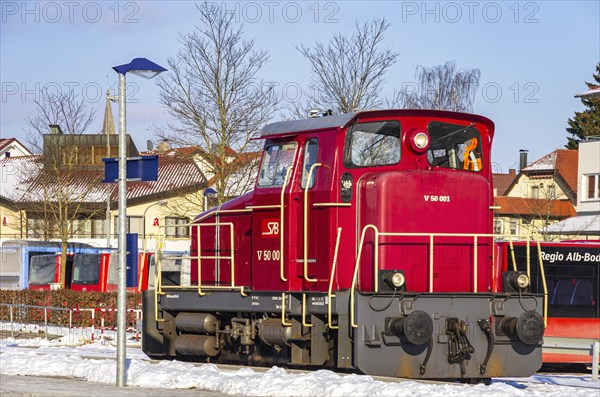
{"x": 316, "y": 211}
{"x": 273, "y": 214}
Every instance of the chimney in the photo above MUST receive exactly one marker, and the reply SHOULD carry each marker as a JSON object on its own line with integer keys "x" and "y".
{"x": 522, "y": 158}
{"x": 55, "y": 129}
{"x": 163, "y": 146}
{"x": 512, "y": 172}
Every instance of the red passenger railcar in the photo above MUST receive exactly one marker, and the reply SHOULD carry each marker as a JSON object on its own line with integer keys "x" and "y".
{"x": 572, "y": 275}
{"x": 365, "y": 245}
{"x": 95, "y": 272}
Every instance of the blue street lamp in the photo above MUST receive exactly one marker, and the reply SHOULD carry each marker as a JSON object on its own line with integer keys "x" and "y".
{"x": 208, "y": 192}
{"x": 147, "y": 69}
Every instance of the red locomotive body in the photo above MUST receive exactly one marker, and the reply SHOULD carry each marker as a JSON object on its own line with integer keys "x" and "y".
{"x": 366, "y": 234}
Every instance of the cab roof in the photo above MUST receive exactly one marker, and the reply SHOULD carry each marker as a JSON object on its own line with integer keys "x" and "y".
{"x": 292, "y": 127}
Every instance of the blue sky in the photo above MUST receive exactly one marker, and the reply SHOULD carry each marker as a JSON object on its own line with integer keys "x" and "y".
{"x": 534, "y": 56}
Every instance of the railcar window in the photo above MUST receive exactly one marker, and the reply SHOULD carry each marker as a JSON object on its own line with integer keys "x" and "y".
{"x": 42, "y": 269}
{"x": 151, "y": 271}
{"x": 454, "y": 146}
{"x": 310, "y": 157}
{"x": 86, "y": 269}
{"x": 113, "y": 272}
{"x": 372, "y": 144}
{"x": 276, "y": 161}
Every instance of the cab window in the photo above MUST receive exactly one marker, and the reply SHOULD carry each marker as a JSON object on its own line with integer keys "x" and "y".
{"x": 373, "y": 144}
{"x": 277, "y": 159}
{"x": 454, "y": 146}
{"x": 310, "y": 158}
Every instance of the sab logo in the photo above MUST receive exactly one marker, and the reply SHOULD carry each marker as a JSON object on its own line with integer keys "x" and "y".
{"x": 270, "y": 228}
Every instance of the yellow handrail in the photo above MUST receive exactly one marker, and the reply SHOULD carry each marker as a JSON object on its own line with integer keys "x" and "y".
{"x": 430, "y": 288}
{"x": 543, "y": 274}
{"x": 431, "y": 236}
{"x": 230, "y": 257}
{"x": 331, "y": 278}
{"x": 304, "y": 312}
{"x": 198, "y": 260}
{"x": 306, "y": 188}
{"x": 281, "y": 229}
{"x": 475, "y": 263}
{"x": 283, "y": 322}
{"x": 356, "y": 266}
{"x": 512, "y": 253}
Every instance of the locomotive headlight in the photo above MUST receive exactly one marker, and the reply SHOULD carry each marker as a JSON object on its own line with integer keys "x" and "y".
{"x": 519, "y": 280}
{"x": 421, "y": 140}
{"x": 522, "y": 281}
{"x": 393, "y": 280}
{"x": 515, "y": 281}
{"x": 397, "y": 280}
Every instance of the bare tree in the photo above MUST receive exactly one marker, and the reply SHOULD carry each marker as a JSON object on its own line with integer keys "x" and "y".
{"x": 58, "y": 193}
{"x": 348, "y": 71}
{"x": 441, "y": 87}
{"x": 215, "y": 94}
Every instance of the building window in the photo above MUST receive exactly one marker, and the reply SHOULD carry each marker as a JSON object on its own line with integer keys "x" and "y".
{"x": 177, "y": 231}
{"x": 35, "y": 228}
{"x": 98, "y": 228}
{"x": 498, "y": 226}
{"x": 593, "y": 187}
{"x": 134, "y": 225}
{"x": 535, "y": 192}
{"x": 551, "y": 192}
{"x": 514, "y": 227}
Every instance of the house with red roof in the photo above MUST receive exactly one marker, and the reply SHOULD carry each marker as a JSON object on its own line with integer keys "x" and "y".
{"x": 11, "y": 147}
{"x": 544, "y": 192}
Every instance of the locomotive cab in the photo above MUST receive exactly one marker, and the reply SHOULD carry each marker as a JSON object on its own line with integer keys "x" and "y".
{"x": 366, "y": 234}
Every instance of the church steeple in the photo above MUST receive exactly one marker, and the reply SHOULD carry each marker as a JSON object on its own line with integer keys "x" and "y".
{"x": 108, "y": 126}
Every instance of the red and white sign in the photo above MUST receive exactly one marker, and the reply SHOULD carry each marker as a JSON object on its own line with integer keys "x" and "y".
{"x": 270, "y": 228}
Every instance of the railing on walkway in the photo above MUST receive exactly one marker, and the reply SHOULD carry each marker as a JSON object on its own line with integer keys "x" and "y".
{"x": 61, "y": 317}
{"x": 431, "y": 249}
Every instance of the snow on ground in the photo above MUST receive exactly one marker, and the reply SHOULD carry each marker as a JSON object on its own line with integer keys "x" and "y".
{"x": 74, "y": 355}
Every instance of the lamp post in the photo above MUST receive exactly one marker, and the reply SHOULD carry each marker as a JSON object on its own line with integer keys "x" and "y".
{"x": 146, "y": 69}
{"x": 208, "y": 192}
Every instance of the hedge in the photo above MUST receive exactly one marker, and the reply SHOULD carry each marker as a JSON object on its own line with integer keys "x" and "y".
{"x": 66, "y": 299}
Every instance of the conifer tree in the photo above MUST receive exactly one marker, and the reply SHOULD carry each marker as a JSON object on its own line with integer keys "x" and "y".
{"x": 587, "y": 122}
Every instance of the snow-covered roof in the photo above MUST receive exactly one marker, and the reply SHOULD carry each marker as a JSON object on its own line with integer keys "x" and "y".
{"x": 561, "y": 162}
{"x": 580, "y": 224}
{"x": 13, "y": 146}
{"x": 591, "y": 93}
{"x": 13, "y": 170}
{"x": 21, "y": 182}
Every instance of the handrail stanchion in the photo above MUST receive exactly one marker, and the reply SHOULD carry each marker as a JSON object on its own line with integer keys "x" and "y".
{"x": 306, "y": 188}
{"x": 356, "y": 267}
{"x": 304, "y": 323}
{"x": 512, "y": 253}
{"x": 430, "y": 263}
{"x": 281, "y": 222}
{"x": 331, "y": 278}
{"x": 528, "y": 260}
{"x": 543, "y": 274}
{"x": 283, "y": 322}
{"x": 475, "y": 245}
{"x": 199, "y": 251}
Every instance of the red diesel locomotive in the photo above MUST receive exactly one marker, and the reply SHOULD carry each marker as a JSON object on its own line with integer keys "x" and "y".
{"x": 367, "y": 246}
